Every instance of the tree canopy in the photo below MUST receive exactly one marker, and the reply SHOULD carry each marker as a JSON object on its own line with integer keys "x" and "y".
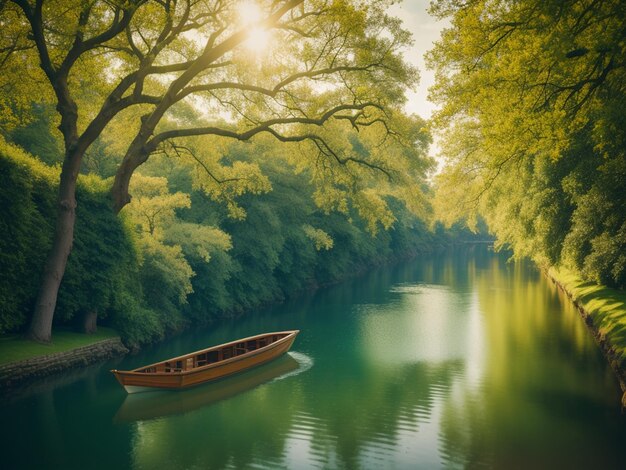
{"x": 186, "y": 69}
{"x": 175, "y": 256}
{"x": 532, "y": 96}
{"x": 184, "y": 78}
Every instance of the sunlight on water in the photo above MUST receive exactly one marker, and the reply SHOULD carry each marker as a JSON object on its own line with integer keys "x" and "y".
{"x": 423, "y": 323}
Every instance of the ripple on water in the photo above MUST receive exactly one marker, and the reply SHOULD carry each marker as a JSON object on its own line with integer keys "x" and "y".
{"x": 305, "y": 362}
{"x": 308, "y": 440}
{"x": 305, "y": 425}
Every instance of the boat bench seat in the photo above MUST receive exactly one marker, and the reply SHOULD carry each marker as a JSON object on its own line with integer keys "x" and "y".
{"x": 210, "y": 357}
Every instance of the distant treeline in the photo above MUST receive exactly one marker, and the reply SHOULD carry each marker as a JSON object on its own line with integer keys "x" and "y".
{"x": 177, "y": 258}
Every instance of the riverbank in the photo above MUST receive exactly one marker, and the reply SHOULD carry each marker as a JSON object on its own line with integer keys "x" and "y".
{"x": 23, "y": 361}
{"x": 604, "y": 312}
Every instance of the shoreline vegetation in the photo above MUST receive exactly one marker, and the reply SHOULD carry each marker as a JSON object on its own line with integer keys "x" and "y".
{"x": 18, "y": 352}
{"x": 602, "y": 309}
{"x": 149, "y": 277}
{"x": 532, "y": 135}
{"x": 604, "y": 312}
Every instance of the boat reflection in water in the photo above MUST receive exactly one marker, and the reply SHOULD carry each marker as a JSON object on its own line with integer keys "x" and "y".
{"x": 144, "y": 406}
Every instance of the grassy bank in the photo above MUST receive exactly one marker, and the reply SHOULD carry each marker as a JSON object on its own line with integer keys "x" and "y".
{"x": 606, "y": 310}
{"x": 15, "y": 348}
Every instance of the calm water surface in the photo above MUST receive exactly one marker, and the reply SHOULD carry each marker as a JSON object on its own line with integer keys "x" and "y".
{"x": 449, "y": 361}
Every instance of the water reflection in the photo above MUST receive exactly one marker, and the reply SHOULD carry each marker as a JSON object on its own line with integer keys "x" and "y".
{"x": 460, "y": 361}
{"x": 342, "y": 424}
{"x": 456, "y": 360}
{"x": 545, "y": 386}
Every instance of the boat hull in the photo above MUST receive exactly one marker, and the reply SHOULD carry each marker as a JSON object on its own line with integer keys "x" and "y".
{"x": 142, "y": 406}
{"x": 134, "y": 382}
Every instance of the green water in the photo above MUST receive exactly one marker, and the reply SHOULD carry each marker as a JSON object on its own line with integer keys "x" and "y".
{"x": 448, "y": 361}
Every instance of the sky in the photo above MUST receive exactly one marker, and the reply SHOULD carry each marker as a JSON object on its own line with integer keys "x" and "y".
{"x": 425, "y": 30}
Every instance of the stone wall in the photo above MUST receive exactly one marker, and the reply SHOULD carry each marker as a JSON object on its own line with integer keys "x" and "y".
{"x": 18, "y": 373}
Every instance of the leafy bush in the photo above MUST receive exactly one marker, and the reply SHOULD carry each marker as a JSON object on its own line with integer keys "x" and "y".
{"x": 26, "y": 202}
{"x": 102, "y": 271}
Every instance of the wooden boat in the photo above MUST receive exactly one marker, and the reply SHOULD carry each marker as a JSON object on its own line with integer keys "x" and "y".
{"x": 208, "y": 364}
{"x": 144, "y": 406}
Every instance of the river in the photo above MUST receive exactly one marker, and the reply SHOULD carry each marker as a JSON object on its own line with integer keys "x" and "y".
{"x": 447, "y": 361}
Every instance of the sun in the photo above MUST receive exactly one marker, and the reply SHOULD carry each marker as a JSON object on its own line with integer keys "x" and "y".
{"x": 258, "y": 40}
{"x": 250, "y": 14}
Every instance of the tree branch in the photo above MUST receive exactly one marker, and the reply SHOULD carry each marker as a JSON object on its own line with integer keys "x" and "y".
{"x": 117, "y": 26}
{"x": 263, "y": 127}
{"x": 177, "y": 149}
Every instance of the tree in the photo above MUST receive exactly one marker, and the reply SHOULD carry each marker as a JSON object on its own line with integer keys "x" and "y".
{"x": 532, "y": 96}
{"x": 324, "y": 62}
{"x": 154, "y": 207}
{"x": 167, "y": 242}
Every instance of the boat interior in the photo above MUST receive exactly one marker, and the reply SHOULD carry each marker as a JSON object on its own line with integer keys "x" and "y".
{"x": 212, "y": 355}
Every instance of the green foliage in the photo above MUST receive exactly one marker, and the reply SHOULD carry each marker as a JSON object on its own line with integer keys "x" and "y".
{"x": 532, "y": 97}
{"x": 165, "y": 274}
{"x": 199, "y": 241}
{"x": 136, "y": 323}
{"x": 179, "y": 257}
{"x": 102, "y": 273}
{"x": 287, "y": 244}
{"x": 21, "y": 75}
{"x": 596, "y": 243}
{"x": 26, "y": 201}
{"x": 321, "y": 239}
{"x": 37, "y": 136}
{"x": 167, "y": 245}
{"x": 154, "y": 208}
{"x": 104, "y": 259}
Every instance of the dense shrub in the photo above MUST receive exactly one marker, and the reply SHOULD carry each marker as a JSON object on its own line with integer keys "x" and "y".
{"x": 101, "y": 274}
{"x": 26, "y": 203}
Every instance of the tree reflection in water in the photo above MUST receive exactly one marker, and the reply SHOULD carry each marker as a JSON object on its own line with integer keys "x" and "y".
{"x": 452, "y": 360}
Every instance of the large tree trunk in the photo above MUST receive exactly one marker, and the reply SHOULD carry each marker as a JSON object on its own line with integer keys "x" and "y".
{"x": 119, "y": 190}
{"x": 41, "y": 324}
{"x": 135, "y": 156}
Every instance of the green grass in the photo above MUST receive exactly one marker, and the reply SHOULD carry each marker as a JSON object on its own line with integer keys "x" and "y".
{"x": 606, "y": 307}
{"x": 15, "y": 348}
